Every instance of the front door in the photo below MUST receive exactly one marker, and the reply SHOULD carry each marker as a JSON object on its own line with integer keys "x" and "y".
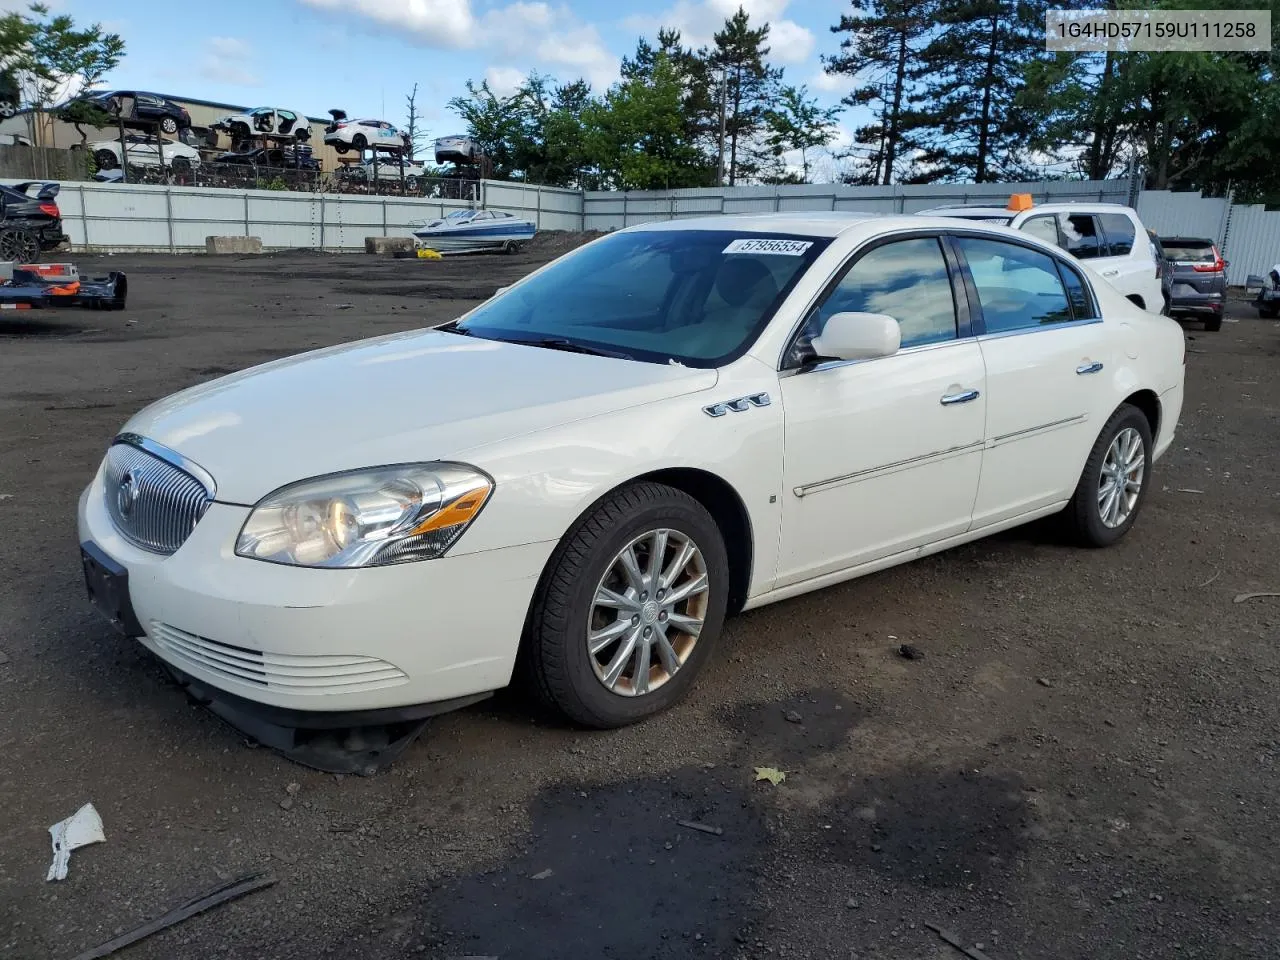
{"x": 883, "y": 455}
{"x": 1048, "y": 363}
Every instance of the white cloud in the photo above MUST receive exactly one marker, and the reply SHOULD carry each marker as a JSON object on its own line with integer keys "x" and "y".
{"x": 789, "y": 42}
{"x": 699, "y": 20}
{"x": 532, "y": 32}
{"x": 504, "y": 81}
{"x": 441, "y": 23}
{"x": 837, "y": 83}
{"x": 228, "y": 61}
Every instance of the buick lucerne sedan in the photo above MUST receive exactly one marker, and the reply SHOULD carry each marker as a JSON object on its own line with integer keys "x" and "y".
{"x": 586, "y": 473}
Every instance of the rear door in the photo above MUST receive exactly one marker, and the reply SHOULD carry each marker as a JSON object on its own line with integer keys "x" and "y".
{"x": 1128, "y": 262}
{"x": 1048, "y": 358}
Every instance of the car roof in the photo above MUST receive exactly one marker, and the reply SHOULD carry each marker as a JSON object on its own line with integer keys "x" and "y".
{"x": 816, "y": 223}
{"x": 1062, "y": 206}
{"x": 806, "y": 223}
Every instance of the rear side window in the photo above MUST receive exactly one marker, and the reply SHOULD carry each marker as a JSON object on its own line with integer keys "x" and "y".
{"x": 1119, "y": 232}
{"x": 1082, "y": 307}
{"x": 1018, "y": 288}
{"x": 1081, "y": 236}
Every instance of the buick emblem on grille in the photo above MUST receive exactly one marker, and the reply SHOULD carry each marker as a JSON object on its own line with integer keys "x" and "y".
{"x": 127, "y": 494}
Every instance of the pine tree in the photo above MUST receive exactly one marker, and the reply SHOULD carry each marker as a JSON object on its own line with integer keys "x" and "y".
{"x": 976, "y": 63}
{"x": 883, "y": 47}
{"x": 798, "y": 123}
{"x": 749, "y": 85}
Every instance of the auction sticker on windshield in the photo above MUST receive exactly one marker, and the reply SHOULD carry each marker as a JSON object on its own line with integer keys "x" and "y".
{"x": 788, "y": 248}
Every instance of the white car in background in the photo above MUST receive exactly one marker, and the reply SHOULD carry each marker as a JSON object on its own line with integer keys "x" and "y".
{"x": 1109, "y": 237}
{"x": 592, "y": 468}
{"x": 143, "y": 151}
{"x": 265, "y": 121}
{"x": 344, "y": 135}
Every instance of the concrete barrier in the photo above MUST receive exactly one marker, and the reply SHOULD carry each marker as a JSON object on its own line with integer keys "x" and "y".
{"x": 386, "y": 245}
{"x": 219, "y": 245}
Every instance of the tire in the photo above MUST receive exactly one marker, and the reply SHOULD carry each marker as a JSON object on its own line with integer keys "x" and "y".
{"x": 180, "y": 165}
{"x": 359, "y": 142}
{"x": 411, "y": 184}
{"x": 340, "y": 148}
{"x": 169, "y": 125}
{"x": 106, "y": 160}
{"x": 239, "y": 132}
{"x": 302, "y": 135}
{"x": 19, "y": 246}
{"x": 1268, "y": 313}
{"x": 569, "y": 677}
{"x": 1084, "y": 513}
{"x": 1214, "y": 323}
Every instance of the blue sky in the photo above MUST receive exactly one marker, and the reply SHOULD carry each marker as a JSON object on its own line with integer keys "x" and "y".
{"x": 365, "y": 55}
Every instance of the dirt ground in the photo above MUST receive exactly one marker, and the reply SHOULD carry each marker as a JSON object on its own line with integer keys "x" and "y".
{"x": 1084, "y": 764}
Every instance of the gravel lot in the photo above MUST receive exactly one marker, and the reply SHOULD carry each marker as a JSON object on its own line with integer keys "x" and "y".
{"x": 1085, "y": 763}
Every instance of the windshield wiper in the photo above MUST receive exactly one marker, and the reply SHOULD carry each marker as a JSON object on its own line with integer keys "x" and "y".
{"x": 572, "y": 346}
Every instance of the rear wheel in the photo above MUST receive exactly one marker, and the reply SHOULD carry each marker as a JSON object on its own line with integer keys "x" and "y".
{"x": 630, "y": 606}
{"x": 1269, "y": 313}
{"x": 1213, "y": 323}
{"x": 359, "y": 141}
{"x": 1114, "y": 482}
{"x": 180, "y": 165}
{"x": 19, "y": 246}
{"x": 105, "y": 159}
{"x": 169, "y": 125}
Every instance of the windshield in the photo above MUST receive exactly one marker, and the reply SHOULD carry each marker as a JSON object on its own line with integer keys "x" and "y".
{"x": 1189, "y": 251}
{"x": 699, "y": 297}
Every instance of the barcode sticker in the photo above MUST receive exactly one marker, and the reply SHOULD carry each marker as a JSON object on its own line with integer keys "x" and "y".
{"x": 786, "y": 248}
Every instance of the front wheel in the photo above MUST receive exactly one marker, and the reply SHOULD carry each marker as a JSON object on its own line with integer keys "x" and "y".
{"x": 1114, "y": 482}
{"x": 632, "y": 601}
{"x": 169, "y": 125}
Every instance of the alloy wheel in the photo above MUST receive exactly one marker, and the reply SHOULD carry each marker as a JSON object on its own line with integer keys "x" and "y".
{"x": 1120, "y": 482}
{"x": 647, "y": 613}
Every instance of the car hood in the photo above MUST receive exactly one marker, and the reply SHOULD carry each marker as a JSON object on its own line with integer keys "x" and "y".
{"x": 417, "y": 396}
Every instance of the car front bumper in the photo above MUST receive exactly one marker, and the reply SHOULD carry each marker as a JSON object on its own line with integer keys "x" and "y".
{"x": 306, "y": 642}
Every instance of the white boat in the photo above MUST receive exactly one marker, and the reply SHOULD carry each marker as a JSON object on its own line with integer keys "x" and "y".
{"x": 475, "y": 230}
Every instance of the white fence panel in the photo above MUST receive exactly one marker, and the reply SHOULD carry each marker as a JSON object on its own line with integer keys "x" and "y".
{"x": 1172, "y": 214}
{"x": 1253, "y": 242}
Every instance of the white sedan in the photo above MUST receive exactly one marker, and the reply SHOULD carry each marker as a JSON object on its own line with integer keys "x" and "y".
{"x": 344, "y": 135}
{"x": 590, "y": 470}
{"x": 265, "y": 122}
{"x": 142, "y": 152}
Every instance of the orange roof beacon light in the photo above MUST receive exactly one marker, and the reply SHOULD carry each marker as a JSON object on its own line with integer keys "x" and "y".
{"x": 1019, "y": 202}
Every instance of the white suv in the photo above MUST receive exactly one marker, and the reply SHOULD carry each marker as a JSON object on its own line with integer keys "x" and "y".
{"x": 1108, "y": 236}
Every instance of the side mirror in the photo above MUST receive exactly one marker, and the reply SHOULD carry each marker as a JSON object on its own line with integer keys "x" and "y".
{"x": 858, "y": 336}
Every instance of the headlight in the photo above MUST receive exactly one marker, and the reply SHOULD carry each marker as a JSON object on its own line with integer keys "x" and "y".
{"x": 366, "y": 518}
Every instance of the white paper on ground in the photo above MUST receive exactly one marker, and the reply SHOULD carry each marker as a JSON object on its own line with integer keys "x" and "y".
{"x": 78, "y": 830}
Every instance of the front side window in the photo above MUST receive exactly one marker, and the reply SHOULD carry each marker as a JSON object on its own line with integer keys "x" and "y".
{"x": 699, "y": 297}
{"x": 1018, "y": 288}
{"x": 1042, "y": 228}
{"x": 905, "y": 279}
{"x": 1080, "y": 236}
{"x": 1120, "y": 233}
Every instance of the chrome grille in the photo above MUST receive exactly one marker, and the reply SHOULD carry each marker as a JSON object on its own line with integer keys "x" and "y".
{"x": 154, "y": 503}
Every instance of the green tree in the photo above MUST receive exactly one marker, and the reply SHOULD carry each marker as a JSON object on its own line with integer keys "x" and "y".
{"x": 636, "y": 134}
{"x": 61, "y": 62}
{"x": 749, "y": 85}
{"x": 699, "y": 100}
{"x": 882, "y": 48}
{"x": 495, "y": 123}
{"x": 798, "y": 123}
{"x": 976, "y": 64}
{"x": 567, "y": 160}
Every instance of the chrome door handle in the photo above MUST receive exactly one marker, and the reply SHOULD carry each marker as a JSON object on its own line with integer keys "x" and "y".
{"x": 1089, "y": 367}
{"x": 950, "y": 398}
{"x": 1110, "y": 273}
